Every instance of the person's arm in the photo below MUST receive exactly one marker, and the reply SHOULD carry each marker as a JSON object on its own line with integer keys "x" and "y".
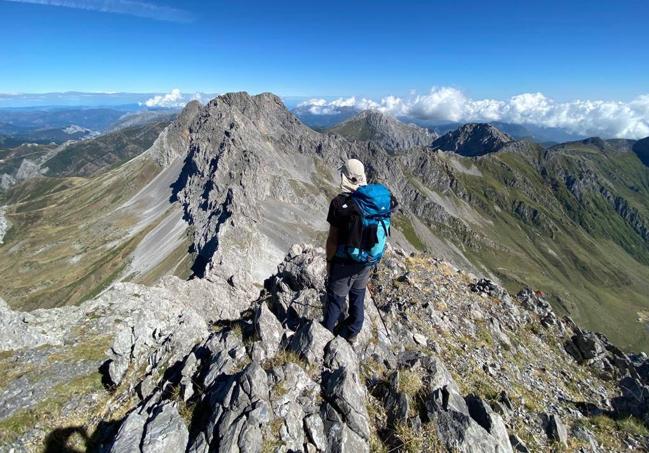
{"x": 332, "y": 245}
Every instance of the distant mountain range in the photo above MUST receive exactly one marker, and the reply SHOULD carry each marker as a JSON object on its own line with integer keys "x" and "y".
{"x": 61, "y": 124}
{"x": 543, "y": 135}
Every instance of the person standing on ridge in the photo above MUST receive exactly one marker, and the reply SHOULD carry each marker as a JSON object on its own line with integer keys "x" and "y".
{"x": 359, "y": 226}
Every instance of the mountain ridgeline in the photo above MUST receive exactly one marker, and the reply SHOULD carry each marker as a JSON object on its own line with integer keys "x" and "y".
{"x": 473, "y": 139}
{"x": 384, "y": 130}
{"x": 235, "y": 359}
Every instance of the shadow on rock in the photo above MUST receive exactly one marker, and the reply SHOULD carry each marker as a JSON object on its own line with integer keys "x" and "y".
{"x": 58, "y": 441}
{"x": 75, "y": 439}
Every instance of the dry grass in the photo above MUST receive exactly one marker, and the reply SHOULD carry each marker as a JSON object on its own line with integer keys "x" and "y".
{"x": 409, "y": 439}
{"x": 282, "y": 358}
{"x": 56, "y": 220}
{"x": 49, "y": 413}
{"x": 272, "y": 442}
{"x": 410, "y": 382}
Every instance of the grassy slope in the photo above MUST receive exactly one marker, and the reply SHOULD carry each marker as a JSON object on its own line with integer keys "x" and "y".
{"x": 68, "y": 241}
{"x": 87, "y": 158}
{"x": 353, "y": 130}
{"x": 10, "y": 159}
{"x": 581, "y": 252}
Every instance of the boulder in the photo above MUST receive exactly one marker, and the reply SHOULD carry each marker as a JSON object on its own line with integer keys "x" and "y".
{"x": 396, "y": 401}
{"x": 129, "y": 435}
{"x": 339, "y": 353}
{"x": 340, "y": 437}
{"x": 269, "y": 332}
{"x": 459, "y": 432}
{"x": 309, "y": 342}
{"x": 165, "y": 431}
{"x": 634, "y": 399}
{"x": 555, "y": 430}
{"x": 225, "y": 350}
{"x": 586, "y": 346}
{"x": 315, "y": 431}
{"x": 304, "y": 267}
{"x": 481, "y": 412}
{"x": 344, "y": 391}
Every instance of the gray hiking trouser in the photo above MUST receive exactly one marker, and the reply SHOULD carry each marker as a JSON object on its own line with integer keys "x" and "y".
{"x": 346, "y": 279}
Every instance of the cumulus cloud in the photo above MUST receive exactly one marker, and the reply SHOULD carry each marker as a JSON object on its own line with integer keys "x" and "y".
{"x": 447, "y": 104}
{"x": 175, "y": 98}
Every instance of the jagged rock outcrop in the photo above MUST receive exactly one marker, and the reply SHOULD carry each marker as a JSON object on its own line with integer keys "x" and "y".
{"x": 255, "y": 180}
{"x": 5, "y": 224}
{"x": 254, "y": 177}
{"x": 6, "y": 181}
{"x": 173, "y": 141}
{"x": 311, "y": 391}
{"x": 430, "y": 367}
{"x": 384, "y": 130}
{"x": 473, "y": 139}
{"x": 28, "y": 169}
{"x": 144, "y": 331}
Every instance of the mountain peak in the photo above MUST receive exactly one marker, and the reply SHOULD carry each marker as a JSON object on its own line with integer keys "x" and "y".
{"x": 243, "y": 100}
{"x": 385, "y": 130}
{"x": 473, "y": 139}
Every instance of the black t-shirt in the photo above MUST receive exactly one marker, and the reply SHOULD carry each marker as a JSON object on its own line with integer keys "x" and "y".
{"x": 340, "y": 210}
{"x": 344, "y": 215}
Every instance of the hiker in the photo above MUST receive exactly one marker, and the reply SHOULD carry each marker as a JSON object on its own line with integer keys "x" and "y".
{"x": 359, "y": 225}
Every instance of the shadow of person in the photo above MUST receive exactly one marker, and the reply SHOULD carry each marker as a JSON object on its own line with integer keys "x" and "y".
{"x": 58, "y": 441}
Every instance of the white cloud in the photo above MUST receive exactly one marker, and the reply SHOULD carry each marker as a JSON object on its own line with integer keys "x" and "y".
{"x": 173, "y": 99}
{"x": 137, "y": 8}
{"x": 586, "y": 117}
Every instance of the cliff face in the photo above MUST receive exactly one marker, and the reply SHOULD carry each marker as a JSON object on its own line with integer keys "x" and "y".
{"x": 255, "y": 180}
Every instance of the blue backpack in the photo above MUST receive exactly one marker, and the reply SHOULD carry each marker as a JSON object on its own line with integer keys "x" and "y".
{"x": 373, "y": 204}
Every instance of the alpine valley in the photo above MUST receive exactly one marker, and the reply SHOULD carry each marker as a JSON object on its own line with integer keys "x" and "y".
{"x": 163, "y": 281}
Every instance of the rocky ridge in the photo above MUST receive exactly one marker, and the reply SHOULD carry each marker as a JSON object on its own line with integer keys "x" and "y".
{"x": 255, "y": 179}
{"x": 384, "y": 130}
{"x": 445, "y": 362}
{"x": 473, "y": 139}
{"x": 248, "y": 175}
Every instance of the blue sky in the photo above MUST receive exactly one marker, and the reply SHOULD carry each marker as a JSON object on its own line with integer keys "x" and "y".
{"x": 565, "y": 49}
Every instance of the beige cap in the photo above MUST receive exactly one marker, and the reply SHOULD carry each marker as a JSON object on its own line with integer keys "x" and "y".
{"x": 352, "y": 175}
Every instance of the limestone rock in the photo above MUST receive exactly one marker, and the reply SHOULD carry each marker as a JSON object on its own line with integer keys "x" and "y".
{"x": 165, "y": 431}
{"x": 383, "y": 129}
{"x": 344, "y": 391}
{"x": 269, "y": 331}
{"x": 556, "y": 430}
{"x": 310, "y": 341}
{"x": 129, "y": 436}
{"x": 482, "y": 413}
